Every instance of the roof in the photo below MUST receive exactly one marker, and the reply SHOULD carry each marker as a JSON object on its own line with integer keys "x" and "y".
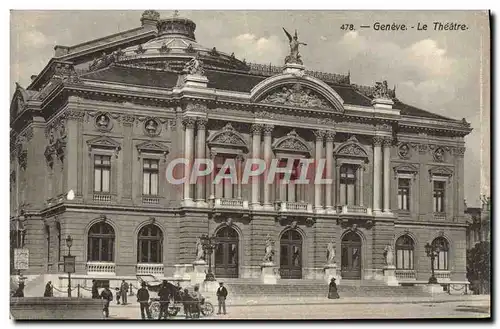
{"x": 233, "y": 81}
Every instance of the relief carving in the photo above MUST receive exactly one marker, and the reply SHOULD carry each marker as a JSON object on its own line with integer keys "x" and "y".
{"x": 297, "y": 95}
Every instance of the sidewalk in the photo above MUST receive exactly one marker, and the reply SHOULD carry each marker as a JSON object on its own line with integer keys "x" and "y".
{"x": 277, "y": 300}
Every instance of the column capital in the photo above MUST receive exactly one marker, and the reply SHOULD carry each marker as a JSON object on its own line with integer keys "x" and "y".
{"x": 268, "y": 129}
{"x": 240, "y": 157}
{"x": 330, "y": 135}
{"x": 188, "y": 122}
{"x": 387, "y": 142}
{"x": 319, "y": 134}
{"x": 378, "y": 140}
{"x": 256, "y": 129}
{"x": 213, "y": 154}
{"x": 201, "y": 123}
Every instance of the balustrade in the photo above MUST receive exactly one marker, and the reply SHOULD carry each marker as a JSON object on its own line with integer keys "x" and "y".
{"x": 442, "y": 275}
{"x": 150, "y": 268}
{"x": 150, "y": 200}
{"x": 102, "y": 197}
{"x": 101, "y": 268}
{"x": 405, "y": 275}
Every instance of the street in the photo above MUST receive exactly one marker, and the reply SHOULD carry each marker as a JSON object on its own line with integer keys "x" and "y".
{"x": 452, "y": 309}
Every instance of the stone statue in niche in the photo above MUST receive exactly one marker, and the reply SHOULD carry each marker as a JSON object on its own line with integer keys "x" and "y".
{"x": 330, "y": 253}
{"x": 269, "y": 251}
{"x": 389, "y": 255}
{"x": 151, "y": 127}
{"x": 200, "y": 253}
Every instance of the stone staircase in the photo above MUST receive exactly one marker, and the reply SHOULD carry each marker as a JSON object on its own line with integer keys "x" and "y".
{"x": 312, "y": 288}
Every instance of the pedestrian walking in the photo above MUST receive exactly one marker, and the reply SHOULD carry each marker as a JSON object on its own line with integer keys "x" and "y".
{"x": 107, "y": 295}
{"x": 49, "y": 290}
{"x": 95, "y": 291}
{"x": 124, "y": 290}
{"x": 221, "y": 297}
{"x": 118, "y": 295}
{"x": 332, "y": 290}
{"x": 164, "y": 295}
{"x": 197, "y": 299}
{"x": 143, "y": 300}
{"x": 186, "y": 302}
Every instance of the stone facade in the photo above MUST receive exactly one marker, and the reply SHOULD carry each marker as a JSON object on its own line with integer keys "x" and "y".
{"x": 290, "y": 115}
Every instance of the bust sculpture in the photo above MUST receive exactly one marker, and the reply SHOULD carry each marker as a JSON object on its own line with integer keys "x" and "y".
{"x": 151, "y": 127}
{"x": 103, "y": 122}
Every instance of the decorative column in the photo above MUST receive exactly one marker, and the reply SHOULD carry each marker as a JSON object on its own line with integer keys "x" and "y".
{"x": 200, "y": 154}
{"x": 330, "y": 135}
{"x": 268, "y": 129}
{"x": 319, "y": 134}
{"x": 188, "y": 124}
{"x": 377, "y": 171}
{"x": 387, "y": 182}
{"x": 361, "y": 172}
{"x": 256, "y": 134}
{"x": 213, "y": 154}
{"x": 239, "y": 171}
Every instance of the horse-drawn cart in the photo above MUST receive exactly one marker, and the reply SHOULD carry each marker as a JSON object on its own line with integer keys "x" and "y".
{"x": 176, "y": 302}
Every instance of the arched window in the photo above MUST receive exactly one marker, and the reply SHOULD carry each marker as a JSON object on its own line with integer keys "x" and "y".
{"x": 101, "y": 243}
{"x": 404, "y": 253}
{"x": 150, "y": 244}
{"x": 441, "y": 260}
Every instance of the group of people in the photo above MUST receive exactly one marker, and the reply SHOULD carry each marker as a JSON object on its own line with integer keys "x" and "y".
{"x": 107, "y": 295}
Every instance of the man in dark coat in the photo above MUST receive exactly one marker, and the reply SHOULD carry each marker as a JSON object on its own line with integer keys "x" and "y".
{"x": 20, "y": 290}
{"x": 95, "y": 291}
{"x": 332, "y": 290}
{"x": 123, "y": 291}
{"x": 49, "y": 292}
{"x": 221, "y": 297}
{"x": 107, "y": 295}
{"x": 164, "y": 295}
{"x": 143, "y": 299}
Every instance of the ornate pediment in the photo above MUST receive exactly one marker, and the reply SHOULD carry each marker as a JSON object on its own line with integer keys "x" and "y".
{"x": 440, "y": 171}
{"x": 406, "y": 168}
{"x": 292, "y": 142}
{"x": 297, "y": 95}
{"x": 228, "y": 136}
{"x": 104, "y": 142}
{"x": 351, "y": 148}
{"x": 152, "y": 147}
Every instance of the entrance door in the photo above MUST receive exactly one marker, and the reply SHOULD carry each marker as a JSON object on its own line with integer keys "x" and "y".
{"x": 226, "y": 253}
{"x": 291, "y": 255}
{"x": 351, "y": 256}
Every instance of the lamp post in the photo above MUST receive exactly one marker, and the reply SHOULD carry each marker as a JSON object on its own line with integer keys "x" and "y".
{"x": 69, "y": 263}
{"x": 209, "y": 244}
{"x": 432, "y": 252}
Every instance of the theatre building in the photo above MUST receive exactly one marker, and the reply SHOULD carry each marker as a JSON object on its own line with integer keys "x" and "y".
{"x": 94, "y": 133}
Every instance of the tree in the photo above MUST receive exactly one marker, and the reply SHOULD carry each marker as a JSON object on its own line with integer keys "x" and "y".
{"x": 478, "y": 267}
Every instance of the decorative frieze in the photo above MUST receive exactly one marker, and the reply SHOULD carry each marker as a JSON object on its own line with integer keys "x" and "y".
{"x": 422, "y": 148}
{"x": 404, "y": 151}
{"x": 297, "y": 95}
{"x": 459, "y": 151}
{"x": 196, "y": 107}
{"x": 127, "y": 120}
{"x": 438, "y": 154}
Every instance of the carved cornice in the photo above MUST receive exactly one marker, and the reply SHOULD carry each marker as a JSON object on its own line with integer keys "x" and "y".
{"x": 196, "y": 107}
{"x": 76, "y": 115}
{"x": 153, "y": 147}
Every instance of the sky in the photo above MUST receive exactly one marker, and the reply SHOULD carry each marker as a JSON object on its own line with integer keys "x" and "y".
{"x": 445, "y": 72}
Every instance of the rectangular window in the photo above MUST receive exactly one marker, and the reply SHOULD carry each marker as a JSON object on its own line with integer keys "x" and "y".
{"x": 348, "y": 185}
{"x": 102, "y": 173}
{"x": 438, "y": 196}
{"x": 150, "y": 177}
{"x": 404, "y": 194}
{"x": 225, "y": 189}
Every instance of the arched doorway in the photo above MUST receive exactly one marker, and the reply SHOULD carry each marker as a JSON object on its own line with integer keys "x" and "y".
{"x": 351, "y": 256}
{"x": 226, "y": 253}
{"x": 150, "y": 245}
{"x": 291, "y": 255}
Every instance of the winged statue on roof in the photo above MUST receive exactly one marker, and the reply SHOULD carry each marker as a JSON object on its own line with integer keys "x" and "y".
{"x": 294, "y": 57}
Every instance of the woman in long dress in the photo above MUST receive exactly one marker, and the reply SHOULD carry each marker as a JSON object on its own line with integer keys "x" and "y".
{"x": 332, "y": 290}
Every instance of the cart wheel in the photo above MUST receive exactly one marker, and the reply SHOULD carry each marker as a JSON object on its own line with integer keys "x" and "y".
{"x": 207, "y": 309}
{"x": 154, "y": 309}
{"x": 173, "y": 310}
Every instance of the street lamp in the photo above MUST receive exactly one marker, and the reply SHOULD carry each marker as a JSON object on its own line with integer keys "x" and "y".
{"x": 69, "y": 263}
{"x": 209, "y": 244}
{"x": 432, "y": 252}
